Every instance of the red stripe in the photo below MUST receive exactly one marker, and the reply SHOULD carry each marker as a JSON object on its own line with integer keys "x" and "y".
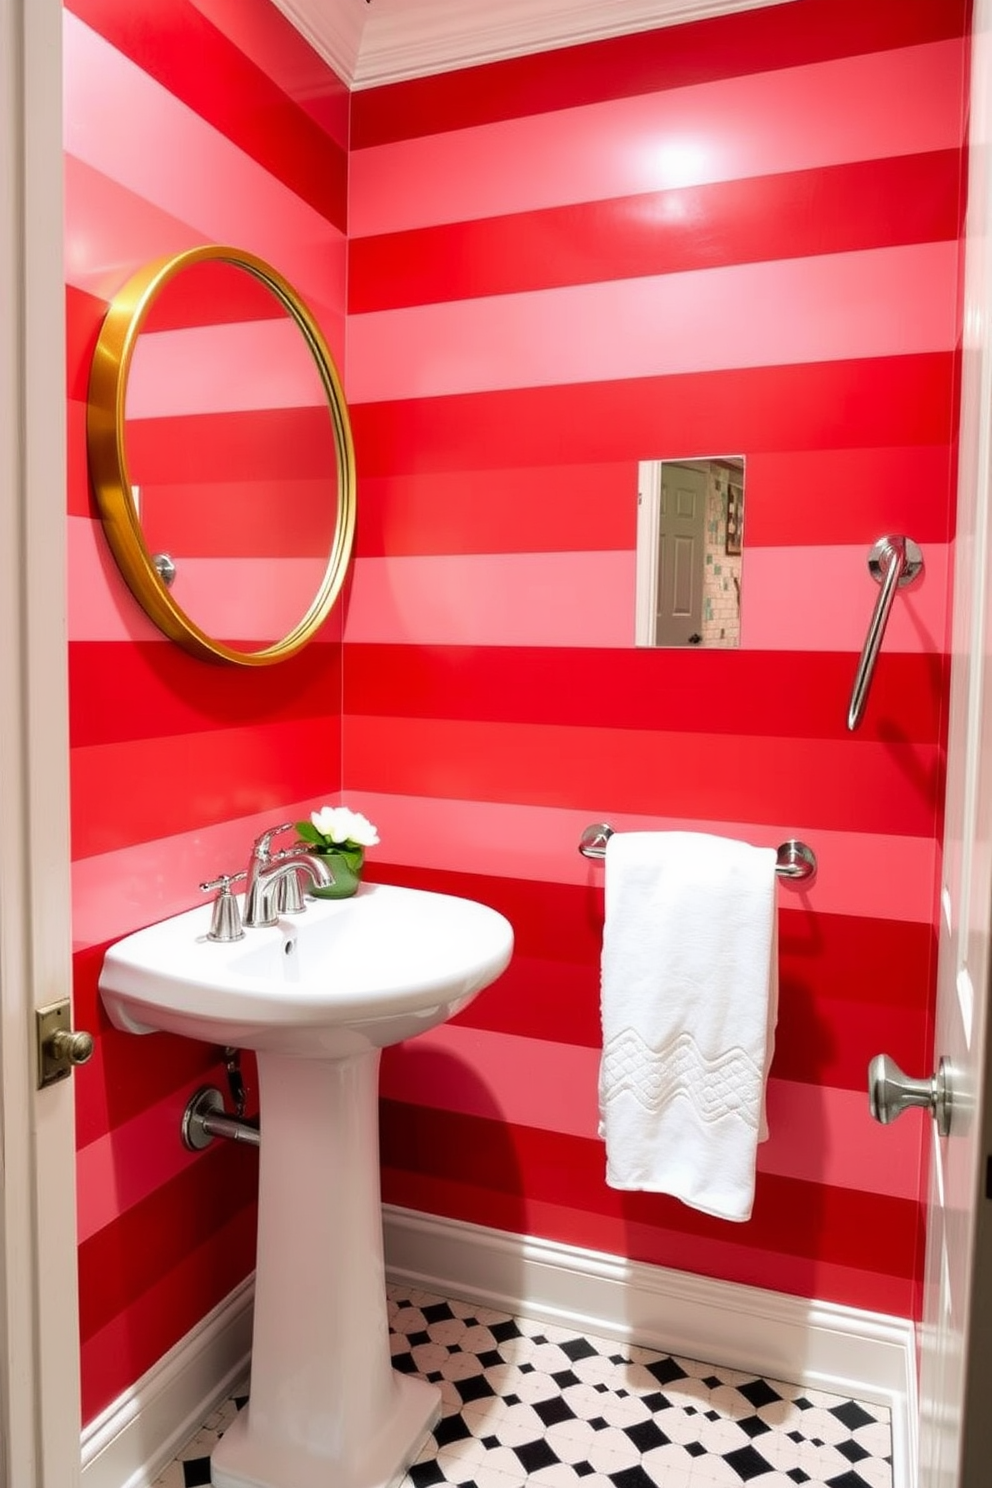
{"x": 844, "y": 786}
{"x": 259, "y": 29}
{"x": 84, "y": 315}
{"x": 848, "y": 986}
{"x": 817, "y": 1041}
{"x": 715, "y": 692}
{"x": 843, "y": 1226}
{"x": 200, "y": 519}
{"x": 849, "y": 958}
{"x": 823, "y": 405}
{"x": 79, "y": 495}
{"x": 211, "y": 293}
{"x": 123, "y": 1260}
{"x": 182, "y": 50}
{"x": 614, "y": 1234}
{"x": 123, "y": 794}
{"x": 87, "y": 1007}
{"x": 146, "y": 691}
{"x": 259, "y": 444}
{"x": 670, "y": 57}
{"x": 853, "y": 493}
{"x": 871, "y": 204}
{"x": 203, "y": 1275}
{"x": 556, "y": 508}
{"x": 242, "y": 519}
{"x": 544, "y": 509}
{"x": 118, "y": 1086}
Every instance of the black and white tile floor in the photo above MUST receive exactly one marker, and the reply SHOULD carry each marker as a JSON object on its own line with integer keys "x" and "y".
{"x": 525, "y": 1402}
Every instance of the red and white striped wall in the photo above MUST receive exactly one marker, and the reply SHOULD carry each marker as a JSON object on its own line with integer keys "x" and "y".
{"x": 185, "y": 124}
{"x": 738, "y": 236}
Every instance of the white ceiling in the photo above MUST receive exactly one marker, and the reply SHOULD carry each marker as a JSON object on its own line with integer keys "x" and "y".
{"x": 368, "y": 42}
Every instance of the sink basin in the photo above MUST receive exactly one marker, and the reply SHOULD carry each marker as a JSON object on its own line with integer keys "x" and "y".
{"x": 317, "y": 996}
{"x": 347, "y": 974}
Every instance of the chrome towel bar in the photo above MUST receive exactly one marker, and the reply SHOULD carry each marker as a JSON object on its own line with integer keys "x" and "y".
{"x": 794, "y": 861}
{"x": 893, "y": 562}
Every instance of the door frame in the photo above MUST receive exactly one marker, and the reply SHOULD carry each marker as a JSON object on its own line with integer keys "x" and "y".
{"x": 39, "y": 1374}
{"x": 954, "y": 1425}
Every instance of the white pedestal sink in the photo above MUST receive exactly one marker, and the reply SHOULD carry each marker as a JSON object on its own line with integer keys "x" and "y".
{"x": 317, "y": 996}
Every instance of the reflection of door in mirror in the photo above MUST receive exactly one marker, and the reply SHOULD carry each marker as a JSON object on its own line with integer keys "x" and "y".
{"x": 689, "y": 524}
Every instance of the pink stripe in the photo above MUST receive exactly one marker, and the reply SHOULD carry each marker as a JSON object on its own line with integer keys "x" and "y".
{"x": 817, "y": 1134}
{"x": 130, "y": 1162}
{"x": 873, "y": 875}
{"x": 828, "y": 1136}
{"x": 253, "y": 599}
{"x": 202, "y": 179}
{"x": 797, "y": 118}
{"x": 822, "y": 599}
{"x": 230, "y": 368}
{"x": 256, "y": 600}
{"x": 101, "y": 606}
{"x": 115, "y": 893}
{"x": 107, "y": 1357}
{"x": 794, "y": 599}
{"x": 110, "y": 231}
{"x": 883, "y": 302}
{"x": 558, "y": 599}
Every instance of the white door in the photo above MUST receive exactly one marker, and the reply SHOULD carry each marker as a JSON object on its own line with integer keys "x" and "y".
{"x": 39, "y": 1335}
{"x": 671, "y": 543}
{"x": 681, "y": 555}
{"x": 955, "y": 1437}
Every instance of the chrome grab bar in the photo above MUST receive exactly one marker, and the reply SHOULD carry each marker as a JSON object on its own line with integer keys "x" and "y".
{"x": 892, "y": 562}
{"x": 794, "y": 859}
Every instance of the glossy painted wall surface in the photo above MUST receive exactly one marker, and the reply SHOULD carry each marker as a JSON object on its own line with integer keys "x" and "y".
{"x": 185, "y": 123}
{"x": 736, "y": 236}
{"x": 545, "y": 257}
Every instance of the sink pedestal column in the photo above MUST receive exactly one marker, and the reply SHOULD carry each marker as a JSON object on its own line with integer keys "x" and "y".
{"x": 325, "y": 1404}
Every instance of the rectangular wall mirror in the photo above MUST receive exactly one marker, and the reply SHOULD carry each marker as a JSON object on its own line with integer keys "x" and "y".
{"x": 690, "y": 525}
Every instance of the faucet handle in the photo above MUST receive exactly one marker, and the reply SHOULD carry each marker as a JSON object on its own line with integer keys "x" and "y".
{"x": 225, "y": 922}
{"x": 261, "y": 849}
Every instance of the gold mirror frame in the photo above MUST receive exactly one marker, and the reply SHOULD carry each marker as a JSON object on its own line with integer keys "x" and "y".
{"x": 108, "y": 464}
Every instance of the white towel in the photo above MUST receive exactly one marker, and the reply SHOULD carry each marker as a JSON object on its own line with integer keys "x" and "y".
{"x": 689, "y": 1004}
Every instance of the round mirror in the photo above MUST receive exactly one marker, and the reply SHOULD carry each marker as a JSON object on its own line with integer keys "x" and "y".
{"x": 221, "y": 457}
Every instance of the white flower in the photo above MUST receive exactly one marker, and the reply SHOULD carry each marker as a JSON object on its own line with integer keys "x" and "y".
{"x": 339, "y": 824}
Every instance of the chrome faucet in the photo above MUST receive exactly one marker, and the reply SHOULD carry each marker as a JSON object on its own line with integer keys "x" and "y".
{"x": 271, "y": 874}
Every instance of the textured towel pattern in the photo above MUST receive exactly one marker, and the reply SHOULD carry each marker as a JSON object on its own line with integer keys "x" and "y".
{"x": 728, "y": 1085}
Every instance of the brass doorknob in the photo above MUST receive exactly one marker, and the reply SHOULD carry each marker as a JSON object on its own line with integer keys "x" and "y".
{"x": 77, "y": 1048}
{"x": 59, "y": 1047}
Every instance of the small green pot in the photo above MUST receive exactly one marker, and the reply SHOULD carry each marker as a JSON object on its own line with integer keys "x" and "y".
{"x": 347, "y": 875}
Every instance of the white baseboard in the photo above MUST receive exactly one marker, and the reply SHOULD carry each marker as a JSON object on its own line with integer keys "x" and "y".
{"x": 868, "y": 1355}
{"x": 134, "y": 1439}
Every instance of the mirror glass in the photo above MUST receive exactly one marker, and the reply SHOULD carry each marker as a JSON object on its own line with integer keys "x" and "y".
{"x": 221, "y": 455}
{"x": 690, "y": 524}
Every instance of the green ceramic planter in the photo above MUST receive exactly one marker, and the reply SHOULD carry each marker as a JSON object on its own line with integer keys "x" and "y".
{"x": 346, "y": 868}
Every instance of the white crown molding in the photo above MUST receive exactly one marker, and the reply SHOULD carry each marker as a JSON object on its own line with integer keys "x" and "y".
{"x": 371, "y": 42}
{"x": 404, "y": 40}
